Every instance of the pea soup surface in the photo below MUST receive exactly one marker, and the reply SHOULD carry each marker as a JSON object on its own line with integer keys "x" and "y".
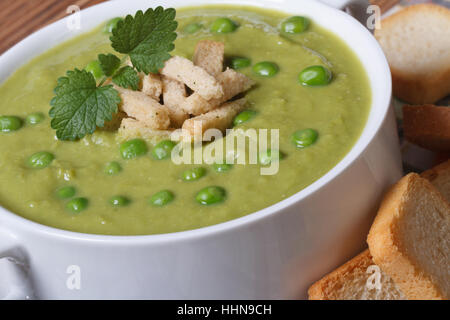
{"x": 88, "y": 187}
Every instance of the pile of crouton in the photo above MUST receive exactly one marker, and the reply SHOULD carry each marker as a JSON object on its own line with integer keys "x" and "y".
{"x": 185, "y": 91}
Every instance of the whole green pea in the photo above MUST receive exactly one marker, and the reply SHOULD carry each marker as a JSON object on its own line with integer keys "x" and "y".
{"x": 240, "y": 63}
{"x": 315, "y": 76}
{"x": 222, "y": 167}
{"x": 193, "y": 174}
{"x": 94, "y": 68}
{"x": 133, "y": 148}
{"x": 77, "y": 205}
{"x": 119, "y": 201}
{"x": 10, "y": 123}
{"x": 40, "y": 160}
{"x": 113, "y": 168}
{"x": 223, "y": 25}
{"x": 65, "y": 192}
{"x": 268, "y": 156}
{"x": 211, "y": 195}
{"x": 304, "y": 138}
{"x": 266, "y": 69}
{"x": 163, "y": 149}
{"x": 111, "y": 24}
{"x": 162, "y": 198}
{"x": 244, "y": 116}
{"x": 192, "y": 28}
{"x": 295, "y": 24}
{"x": 35, "y": 118}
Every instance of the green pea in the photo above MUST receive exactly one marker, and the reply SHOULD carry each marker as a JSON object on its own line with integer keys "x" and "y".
{"x": 111, "y": 24}
{"x": 77, "y": 205}
{"x": 192, "y": 28}
{"x": 295, "y": 24}
{"x": 315, "y": 76}
{"x": 10, "y": 123}
{"x": 35, "y": 118}
{"x": 112, "y": 168}
{"x": 193, "y": 174}
{"x": 304, "y": 138}
{"x": 119, "y": 201}
{"x": 211, "y": 195}
{"x": 240, "y": 63}
{"x": 65, "y": 192}
{"x": 133, "y": 148}
{"x": 40, "y": 160}
{"x": 224, "y": 167}
{"x": 244, "y": 116}
{"x": 94, "y": 68}
{"x": 163, "y": 150}
{"x": 223, "y": 25}
{"x": 268, "y": 156}
{"x": 266, "y": 69}
{"x": 162, "y": 198}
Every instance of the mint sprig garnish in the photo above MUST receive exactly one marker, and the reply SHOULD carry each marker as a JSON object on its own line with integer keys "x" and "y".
{"x": 147, "y": 38}
{"x": 81, "y": 105}
{"x": 109, "y": 63}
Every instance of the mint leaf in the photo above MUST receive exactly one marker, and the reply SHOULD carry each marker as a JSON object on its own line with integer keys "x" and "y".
{"x": 147, "y": 38}
{"x": 79, "y": 106}
{"x": 127, "y": 78}
{"x": 109, "y": 63}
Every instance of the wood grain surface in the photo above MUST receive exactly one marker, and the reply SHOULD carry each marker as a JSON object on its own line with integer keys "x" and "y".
{"x": 19, "y": 18}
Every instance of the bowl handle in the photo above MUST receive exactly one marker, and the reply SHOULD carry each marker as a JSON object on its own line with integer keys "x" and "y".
{"x": 15, "y": 283}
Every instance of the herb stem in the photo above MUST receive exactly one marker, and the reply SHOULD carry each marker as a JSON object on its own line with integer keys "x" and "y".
{"x": 124, "y": 58}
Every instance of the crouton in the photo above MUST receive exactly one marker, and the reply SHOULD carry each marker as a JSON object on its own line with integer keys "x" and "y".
{"x": 131, "y": 129}
{"x": 151, "y": 85}
{"x": 209, "y": 55}
{"x": 114, "y": 123}
{"x": 143, "y": 108}
{"x": 232, "y": 83}
{"x": 220, "y": 118}
{"x": 196, "y": 78}
{"x": 174, "y": 94}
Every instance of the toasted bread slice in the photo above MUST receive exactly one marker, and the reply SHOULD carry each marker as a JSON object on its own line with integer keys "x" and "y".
{"x": 427, "y": 126}
{"x": 410, "y": 239}
{"x": 416, "y": 41}
{"x": 352, "y": 281}
{"x": 439, "y": 177}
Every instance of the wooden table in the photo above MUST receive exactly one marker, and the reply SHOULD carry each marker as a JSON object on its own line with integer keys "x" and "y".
{"x": 19, "y": 18}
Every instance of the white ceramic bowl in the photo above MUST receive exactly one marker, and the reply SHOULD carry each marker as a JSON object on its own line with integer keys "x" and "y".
{"x": 273, "y": 253}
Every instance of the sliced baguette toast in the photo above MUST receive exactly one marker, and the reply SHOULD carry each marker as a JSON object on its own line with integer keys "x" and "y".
{"x": 349, "y": 282}
{"x": 410, "y": 239}
{"x": 416, "y": 42}
{"x": 427, "y": 126}
{"x": 439, "y": 177}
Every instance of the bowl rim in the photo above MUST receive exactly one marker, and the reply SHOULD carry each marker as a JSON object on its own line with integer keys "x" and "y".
{"x": 355, "y": 152}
